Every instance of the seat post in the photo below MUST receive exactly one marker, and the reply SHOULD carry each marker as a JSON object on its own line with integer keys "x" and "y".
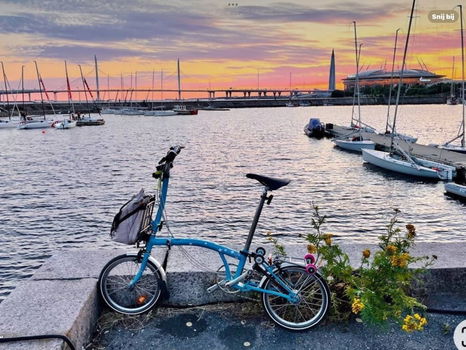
{"x": 252, "y": 230}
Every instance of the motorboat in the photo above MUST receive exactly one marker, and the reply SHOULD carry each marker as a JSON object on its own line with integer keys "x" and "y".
{"x": 183, "y": 110}
{"x": 89, "y": 121}
{"x": 315, "y": 128}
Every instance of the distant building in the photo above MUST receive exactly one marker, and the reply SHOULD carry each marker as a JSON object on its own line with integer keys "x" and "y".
{"x": 381, "y": 77}
{"x": 331, "y": 77}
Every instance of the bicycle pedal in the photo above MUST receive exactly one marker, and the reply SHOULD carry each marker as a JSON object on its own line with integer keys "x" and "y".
{"x": 216, "y": 286}
{"x": 213, "y": 288}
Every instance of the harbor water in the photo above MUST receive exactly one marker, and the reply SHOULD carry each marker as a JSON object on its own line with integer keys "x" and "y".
{"x": 61, "y": 188}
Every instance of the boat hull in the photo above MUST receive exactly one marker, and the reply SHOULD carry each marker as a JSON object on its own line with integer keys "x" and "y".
{"x": 90, "y": 122}
{"x": 354, "y": 146}
{"x": 453, "y": 148}
{"x": 8, "y": 124}
{"x": 37, "y": 124}
{"x": 455, "y": 190}
{"x": 164, "y": 113}
{"x": 386, "y": 161}
{"x": 65, "y": 124}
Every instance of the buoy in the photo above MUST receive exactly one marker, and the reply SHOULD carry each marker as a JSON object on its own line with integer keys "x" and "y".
{"x": 43, "y": 131}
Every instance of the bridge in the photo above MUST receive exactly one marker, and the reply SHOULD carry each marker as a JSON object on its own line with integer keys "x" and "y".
{"x": 118, "y": 95}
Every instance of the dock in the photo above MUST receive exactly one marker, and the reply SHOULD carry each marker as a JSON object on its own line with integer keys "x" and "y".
{"x": 423, "y": 151}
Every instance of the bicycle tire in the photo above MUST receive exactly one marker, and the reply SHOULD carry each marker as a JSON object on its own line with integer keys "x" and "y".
{"x": 313, "y": 304}
{"x": 114, "y": 285}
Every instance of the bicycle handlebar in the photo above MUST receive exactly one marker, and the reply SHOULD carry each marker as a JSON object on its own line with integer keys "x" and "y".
{"x": 166, "y": 163}
{"x": 171, "y": 154}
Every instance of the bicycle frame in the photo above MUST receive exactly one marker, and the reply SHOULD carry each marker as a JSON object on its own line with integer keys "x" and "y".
{"x": 241, "y": 256}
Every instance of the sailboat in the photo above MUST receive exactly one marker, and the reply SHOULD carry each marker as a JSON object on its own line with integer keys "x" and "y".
{"x": 159, "y": 111}
{"x": 67, "y": 123}
{"x": 28, "y": 122}
{"x": 388, "y": 126}
{"x": 461, "y": 134}
{"x": 181, "y": 108}
{"x": 7, "y": 124}
{"x": 354, "y": 140}
{"x": 87, "y": 120}
{"x": 458, "y": 189}
{"x": 397, "y": 159}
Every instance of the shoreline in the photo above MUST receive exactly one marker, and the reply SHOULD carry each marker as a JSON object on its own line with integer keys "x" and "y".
{"x": 230, "y": 102}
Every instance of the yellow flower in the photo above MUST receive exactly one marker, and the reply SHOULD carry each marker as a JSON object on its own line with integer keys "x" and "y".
{"x": 328, "y": 238}
{"x": 400, "y": 260}
{"x": 357, "y": 306}
{"x": 391, "y": 249}
{"x": 311, "y": 248}
{"x": 404, "y": 259}
{"x": 415, "y": 323}
{"x": 366, "y": 253}
{"x": 395, "y": 260}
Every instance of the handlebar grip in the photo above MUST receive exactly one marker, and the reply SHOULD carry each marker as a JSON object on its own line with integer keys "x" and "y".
{"x": 171, "y": 154}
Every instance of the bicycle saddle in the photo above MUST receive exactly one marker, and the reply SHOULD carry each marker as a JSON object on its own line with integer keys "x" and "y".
{"x": 270, "y": 182}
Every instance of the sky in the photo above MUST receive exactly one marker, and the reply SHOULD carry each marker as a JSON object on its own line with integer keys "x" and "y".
{"x": 221, "y": 44}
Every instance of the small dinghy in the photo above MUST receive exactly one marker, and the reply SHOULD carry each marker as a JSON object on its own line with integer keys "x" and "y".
{"x": 64, "y": 124}
{"x": 315, "y": 128}
{"x": 356, "y": 144}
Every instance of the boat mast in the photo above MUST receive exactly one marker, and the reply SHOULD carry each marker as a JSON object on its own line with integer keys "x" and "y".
{"x": 22, "y": 85}
{"x": 179, "y": 80}
{"x": 462, "y": 74}
{"x": 161, "y": 84}
{"x": 40, "y": 89}
{"x": 452, "y": 87}
{"x": 70, "y": 98}
{"x": 153, "y": 87}
{"x": 400, "y": 81}
{"x": 97, "y": 78}
{"x": 6, "y": 90}
{"x": 84, "y": 88}
{"x": 387, "y": 126}
{"x": 357, "y": 53}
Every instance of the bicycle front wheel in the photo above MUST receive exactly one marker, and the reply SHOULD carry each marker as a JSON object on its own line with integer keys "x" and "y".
{"x": 114, "y": 284}
{"x": 312, "y": 304}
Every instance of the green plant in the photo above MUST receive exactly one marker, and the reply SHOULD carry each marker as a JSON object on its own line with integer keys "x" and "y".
{"x": 278, "y": 249}
{"x": 378, "y": 290}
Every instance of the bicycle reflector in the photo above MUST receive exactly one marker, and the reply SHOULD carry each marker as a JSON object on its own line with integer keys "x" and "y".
{"x": 141, "y": 299}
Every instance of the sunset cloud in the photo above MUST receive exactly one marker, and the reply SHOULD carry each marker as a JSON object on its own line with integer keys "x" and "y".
{"x": 216, "y": 42}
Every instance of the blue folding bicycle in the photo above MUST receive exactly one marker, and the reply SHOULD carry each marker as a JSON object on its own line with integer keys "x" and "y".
{"x": 294, "y": 297}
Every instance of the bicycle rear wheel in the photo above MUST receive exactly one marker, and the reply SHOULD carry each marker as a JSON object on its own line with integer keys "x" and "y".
{"x": 114, "y": 284}
{"x": 313, "y": 299}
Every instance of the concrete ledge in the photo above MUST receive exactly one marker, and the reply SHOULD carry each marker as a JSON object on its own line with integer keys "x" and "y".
{"x": 62, "y": 296}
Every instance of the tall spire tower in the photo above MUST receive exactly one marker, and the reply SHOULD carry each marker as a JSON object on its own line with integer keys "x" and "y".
{"x": 331, "y": 78}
